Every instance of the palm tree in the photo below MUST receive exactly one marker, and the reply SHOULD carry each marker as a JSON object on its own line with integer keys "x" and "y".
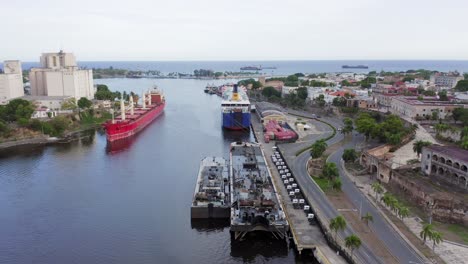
{"x": 352, "y": 242}
{"x": 436, "y": 238}
{"x": 418, "y": 145}
{"x": 378, "y": 189}
{"x": 426, "y": 232}
{"x": 318, "y": 148}
{"x": 367, "y": 218}
{"x": 336, "y": 224}
{"x": 403, "y": 212}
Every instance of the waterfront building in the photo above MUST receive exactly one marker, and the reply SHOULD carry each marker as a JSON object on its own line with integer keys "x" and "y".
{"x": 446, "y": 80}
{"x": 59, "y": 75}
{"x": 448, "y": 163}
{"x": 11, "y": 81}
{"x": 414, "y": 108}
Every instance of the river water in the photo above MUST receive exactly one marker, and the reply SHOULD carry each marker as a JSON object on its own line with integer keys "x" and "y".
{"x": 87, "y": 202}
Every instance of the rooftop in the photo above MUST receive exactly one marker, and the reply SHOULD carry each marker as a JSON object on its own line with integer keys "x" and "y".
{"x": 452, "y": 151}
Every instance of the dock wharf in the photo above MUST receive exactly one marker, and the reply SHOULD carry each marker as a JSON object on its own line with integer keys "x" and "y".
{"x": 306, "y": 234}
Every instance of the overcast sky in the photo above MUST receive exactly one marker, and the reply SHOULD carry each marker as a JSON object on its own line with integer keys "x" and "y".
{"x": 235, "y": 30}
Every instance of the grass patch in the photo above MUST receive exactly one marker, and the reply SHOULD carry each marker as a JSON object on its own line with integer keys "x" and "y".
{"x": 460, "y": 231}
{"x": 322, "y": 183}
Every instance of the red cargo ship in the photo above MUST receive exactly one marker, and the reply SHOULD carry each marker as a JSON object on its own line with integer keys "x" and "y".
{"x": 133, "y": 121}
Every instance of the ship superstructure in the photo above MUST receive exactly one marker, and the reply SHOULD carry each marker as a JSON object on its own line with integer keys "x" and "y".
{"x": 211, "y": 196}
{"x": 132, "y": 118}
{"x": 235, "y": 108}
{"x": 255, "y": 203}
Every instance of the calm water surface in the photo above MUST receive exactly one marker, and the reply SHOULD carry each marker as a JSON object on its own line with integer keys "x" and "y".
{"x": 87, "y": 202}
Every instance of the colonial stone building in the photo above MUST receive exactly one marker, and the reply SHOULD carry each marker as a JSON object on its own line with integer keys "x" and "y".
{"x": 448, "y": 163}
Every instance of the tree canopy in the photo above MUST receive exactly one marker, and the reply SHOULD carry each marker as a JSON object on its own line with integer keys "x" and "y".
{"x": 462, "y": 86}
{"x": 318, "y": 148}
{"x": 270, "y": 91}
{"x": 255, "y": 84}
{"x": 84, "y": 103}
{"x": 16, "y": 109}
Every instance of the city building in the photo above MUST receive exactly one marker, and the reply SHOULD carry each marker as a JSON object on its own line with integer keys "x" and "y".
{"x": 446, "y": 80}
{"x": 59, "y": 75}
{"x": 448, "y": 163}
{"x": 414, "y": 108}
{"x": 363, "y": 102}
{"x": 11, "y": 81}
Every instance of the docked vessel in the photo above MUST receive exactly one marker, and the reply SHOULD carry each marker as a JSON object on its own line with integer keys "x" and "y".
{"x": 355, "y": 67}
{"x": 211, "y": 197}
{"x": 255, "y": 205}
{"x": 133, "y": 120}
{"x": 235, "y": 108}
{"x": 251, "y": 68}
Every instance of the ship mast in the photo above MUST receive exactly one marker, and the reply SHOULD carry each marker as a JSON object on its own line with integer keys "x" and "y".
{"x": 132, "y": 112}
{"x": 149, "y": 98}
{"x": 122, "y": 109}
{"x": 143, "y": 98}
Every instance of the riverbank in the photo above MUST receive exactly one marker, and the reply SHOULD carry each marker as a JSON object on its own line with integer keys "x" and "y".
{"x": 47, "y": 140}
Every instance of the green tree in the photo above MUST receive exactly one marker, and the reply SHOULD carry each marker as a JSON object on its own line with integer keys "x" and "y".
{"x": 348, "y": 126}
{"x": 84, "y": 103}
{"x": 270, "y": 91}
{"x": 337, "y": 224}
{"x": 378, "y": 189}
{"x": 367, "y": 218}
{"x": 460, "y": 114}
{"x": 429, "y": 93}
{"x": 443, "y": 95}
{"x": 436, "y": 238}
{"x": 418, "y": 146}
{"x": 349, "y": 155}
{"x": 462, "y": 86}
{"x": 302, "y": 93}
{"x": 352, "y": 242}
{"x": 69, "y": 104}
{"x": 336, "y": 184}
{"x": 435, "y": 115}
{"x": 318, "y": 148}
{"x": 16, "y": 109}
{"x": 426, "y": 232}
{"x": 365, "y": 124}
{"x": 330, "y": 171}
{"x": 320, "y": 100}
{"x": 403, "y": 212}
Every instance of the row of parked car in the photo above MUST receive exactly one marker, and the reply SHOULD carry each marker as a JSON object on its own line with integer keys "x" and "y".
{"x": 294, "y": 191}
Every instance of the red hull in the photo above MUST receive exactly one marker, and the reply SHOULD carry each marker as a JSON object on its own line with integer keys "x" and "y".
{"x": 133, "y": 124}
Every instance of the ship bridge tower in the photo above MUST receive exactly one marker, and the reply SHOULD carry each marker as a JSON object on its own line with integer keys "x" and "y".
{"x": 235, "y": 93}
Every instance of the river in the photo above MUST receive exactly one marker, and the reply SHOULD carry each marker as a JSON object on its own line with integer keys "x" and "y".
{"x": 85, "y": 202}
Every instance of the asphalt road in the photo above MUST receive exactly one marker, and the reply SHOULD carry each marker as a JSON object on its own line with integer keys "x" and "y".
{"x": 394, "y": 242}
{"x": 396, "y": 245}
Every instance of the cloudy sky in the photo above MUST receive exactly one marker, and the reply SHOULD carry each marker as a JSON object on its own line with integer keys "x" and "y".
{"x": 236, "y": 30}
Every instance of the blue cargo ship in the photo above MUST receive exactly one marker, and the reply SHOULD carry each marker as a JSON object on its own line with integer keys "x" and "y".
{"x": 235, "y": 108}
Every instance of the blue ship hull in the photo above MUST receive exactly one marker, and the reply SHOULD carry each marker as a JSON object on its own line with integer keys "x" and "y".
{"x": 236, "y": 120}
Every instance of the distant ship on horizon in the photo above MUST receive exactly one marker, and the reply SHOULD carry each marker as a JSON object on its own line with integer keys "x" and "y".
{"x": 355, "y": 67}
{"x": 256, "y": 68}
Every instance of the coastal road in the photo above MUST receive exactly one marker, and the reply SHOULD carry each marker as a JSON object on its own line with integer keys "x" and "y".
{"x": 394, "y": 242}
{"x": 323, "y": 205}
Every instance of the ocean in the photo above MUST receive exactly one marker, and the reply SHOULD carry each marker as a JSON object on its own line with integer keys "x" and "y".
{"x": 282, "y": 67}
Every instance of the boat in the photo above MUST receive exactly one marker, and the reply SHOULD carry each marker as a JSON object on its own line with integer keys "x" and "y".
{"x": 211, "y": 196}
{"x": 235, "y": 108}
{"x": 355, "y": 67}
{"x": 251, "y": 68}
{"x": 128, "y": 123}
{"x": 255, "y": 205}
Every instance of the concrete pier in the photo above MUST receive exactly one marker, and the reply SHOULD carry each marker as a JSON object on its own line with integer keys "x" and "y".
{"x": 306, "y": 236}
